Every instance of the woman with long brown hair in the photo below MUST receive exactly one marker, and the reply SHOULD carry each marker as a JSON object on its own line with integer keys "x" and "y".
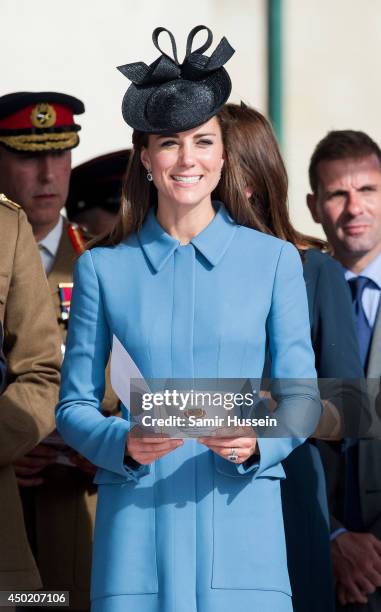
{"x": 260, "y": 175}
{"x": 258, "y": 184}
{"x": 186, "y": 525}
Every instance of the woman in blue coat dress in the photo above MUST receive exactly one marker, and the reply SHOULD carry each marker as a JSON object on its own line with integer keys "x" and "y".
{"x": 247, "y": 135}
{"x": 191, "y": 291}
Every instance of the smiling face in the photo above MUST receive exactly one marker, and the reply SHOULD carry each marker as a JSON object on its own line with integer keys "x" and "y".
{"x": 348, "y": 205}
{"x": 39, "y": 182}
{"x": 186, "y": 166}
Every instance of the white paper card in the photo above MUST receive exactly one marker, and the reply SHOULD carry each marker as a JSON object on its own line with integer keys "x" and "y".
{"x": 122, "y": 370}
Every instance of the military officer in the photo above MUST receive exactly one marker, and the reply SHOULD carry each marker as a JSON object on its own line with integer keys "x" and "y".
{"x": 27, "y": 404}
{"x": 37, "y": 133}
{"x": 95, "y": 192}
{"x": 2, "y": 361}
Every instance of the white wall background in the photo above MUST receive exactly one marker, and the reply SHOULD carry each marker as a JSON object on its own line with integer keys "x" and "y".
{"x": 332, "y": 81}
{"x": 332, "y": 56}
{"x": 74, "y": 46}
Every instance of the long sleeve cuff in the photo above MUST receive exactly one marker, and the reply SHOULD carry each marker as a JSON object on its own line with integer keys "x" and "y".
{"x": 336, "y": 533}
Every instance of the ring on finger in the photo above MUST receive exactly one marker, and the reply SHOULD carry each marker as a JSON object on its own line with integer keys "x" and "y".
{"x": 233, "y": 455}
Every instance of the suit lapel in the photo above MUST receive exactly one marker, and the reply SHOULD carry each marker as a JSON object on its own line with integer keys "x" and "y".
{"x": 374, "y": 365}
{"x": 370, "y": 449}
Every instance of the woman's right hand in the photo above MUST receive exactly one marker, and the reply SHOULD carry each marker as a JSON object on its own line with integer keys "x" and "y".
{"x": 147, "y": 449}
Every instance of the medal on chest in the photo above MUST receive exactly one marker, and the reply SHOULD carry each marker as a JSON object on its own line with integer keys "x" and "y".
{"x": 65, "y": 289}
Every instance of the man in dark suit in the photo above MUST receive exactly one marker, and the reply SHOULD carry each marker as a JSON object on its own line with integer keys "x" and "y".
{"x": 345, "y": 178}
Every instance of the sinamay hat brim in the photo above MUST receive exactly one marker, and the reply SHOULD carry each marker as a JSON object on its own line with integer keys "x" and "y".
{"x": 167, "y": 97}
{"x": 175, "y": 106}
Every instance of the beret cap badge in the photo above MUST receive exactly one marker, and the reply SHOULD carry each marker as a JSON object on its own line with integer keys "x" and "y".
{"x": 168, "y": 96}
{"x": 43, "y": 116}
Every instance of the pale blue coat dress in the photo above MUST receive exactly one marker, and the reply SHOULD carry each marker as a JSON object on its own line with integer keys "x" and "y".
{"x": 193, "y": 531}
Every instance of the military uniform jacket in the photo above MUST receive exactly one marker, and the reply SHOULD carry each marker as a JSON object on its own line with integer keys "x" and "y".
{"x": 27, "y": 404}
{"x": 63, "y": 509}
{"x": 2, "y": 362}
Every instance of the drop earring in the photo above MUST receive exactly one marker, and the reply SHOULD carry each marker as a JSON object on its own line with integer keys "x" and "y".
{"x": 149, "y": 175}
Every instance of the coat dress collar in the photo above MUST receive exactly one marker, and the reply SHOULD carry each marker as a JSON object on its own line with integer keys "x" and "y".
{"x": 212, "y": 242}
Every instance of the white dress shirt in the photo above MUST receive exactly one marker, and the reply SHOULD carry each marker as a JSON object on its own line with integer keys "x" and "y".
{"x": 48, "y": 246}
{"x": 371, "y": 295}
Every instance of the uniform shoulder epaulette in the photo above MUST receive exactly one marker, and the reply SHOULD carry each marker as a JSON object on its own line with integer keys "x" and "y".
{"x": 9, "y": 203}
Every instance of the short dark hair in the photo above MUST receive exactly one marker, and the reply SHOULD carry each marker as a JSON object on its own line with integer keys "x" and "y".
{"x": 341, "y": 144}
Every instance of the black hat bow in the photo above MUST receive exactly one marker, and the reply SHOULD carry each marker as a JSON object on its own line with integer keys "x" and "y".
{"x": 175, "y": 86}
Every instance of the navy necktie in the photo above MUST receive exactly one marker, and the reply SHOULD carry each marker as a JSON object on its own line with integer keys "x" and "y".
{"x": 352, "y": 511}
{"x": 364, "y": 330}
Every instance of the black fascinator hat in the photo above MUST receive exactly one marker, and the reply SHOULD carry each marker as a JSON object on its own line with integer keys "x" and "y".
{"x": 171, "y": 97}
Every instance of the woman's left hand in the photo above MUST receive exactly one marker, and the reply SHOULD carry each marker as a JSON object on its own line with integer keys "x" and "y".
{"x": 241, "y": 448}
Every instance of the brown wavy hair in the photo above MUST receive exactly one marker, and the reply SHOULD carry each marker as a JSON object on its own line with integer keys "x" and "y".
{"x": 138, "y": 195}
{"x": 254, "y": 161}
{"x": 252, "y": 158}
